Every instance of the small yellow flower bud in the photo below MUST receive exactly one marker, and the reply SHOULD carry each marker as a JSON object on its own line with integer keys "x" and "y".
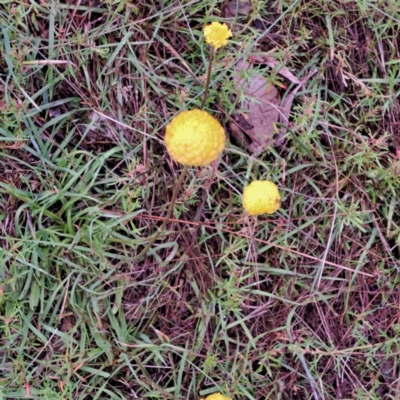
{"x": 261, "y": 197}
{"x": 217, "y": 396}
{"x": 217, "y": 34}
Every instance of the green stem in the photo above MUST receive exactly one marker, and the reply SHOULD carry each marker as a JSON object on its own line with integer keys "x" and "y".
{"x": 208, "y": 78}
{"x": 168, "y": 216}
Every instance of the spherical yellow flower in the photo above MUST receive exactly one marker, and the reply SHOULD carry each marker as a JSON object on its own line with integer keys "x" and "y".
{"x": 217, "y": 396}
{"x": 261, "y": 197}
{"x": 217, "y": 34}
{"x": 194, "y": 138}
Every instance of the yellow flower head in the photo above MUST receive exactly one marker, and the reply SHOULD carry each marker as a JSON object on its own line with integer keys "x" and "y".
{"x": 217, "y": 396}
{"x": 261, "y": 197}
{"x": 217, "y": 34}
{"x": 194, "y": 138}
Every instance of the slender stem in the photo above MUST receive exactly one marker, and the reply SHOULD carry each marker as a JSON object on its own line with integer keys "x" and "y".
{"x": 181, "y": 177}
{"x": 199, "y": 210}
{"x": 168, "y": 216}
{"x": 208, "y": 78}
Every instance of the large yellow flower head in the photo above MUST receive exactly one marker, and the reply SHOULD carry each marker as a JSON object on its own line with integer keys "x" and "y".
{"x": 194, "y": 138}
{"x": 217, "y": 34}
{"x": 217, "y": 396}
{"x": 261, "y": 197}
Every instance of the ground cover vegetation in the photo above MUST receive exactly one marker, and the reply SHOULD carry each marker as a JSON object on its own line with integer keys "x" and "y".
{"x": 301, "y": 304}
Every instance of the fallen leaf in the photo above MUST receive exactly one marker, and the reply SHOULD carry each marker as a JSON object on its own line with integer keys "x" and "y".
{"x": 237, "y": 8}
{"x": 257, "y": 115}
{"x": 261, "y": 108}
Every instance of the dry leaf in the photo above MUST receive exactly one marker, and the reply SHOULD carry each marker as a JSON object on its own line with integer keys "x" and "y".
{"x": 261, "y": 109}
{"x": 287, "y": 102}
{"x": 237, "y": 8}
{"x": 238, "y": 12}
{"x": 68, "y": 324}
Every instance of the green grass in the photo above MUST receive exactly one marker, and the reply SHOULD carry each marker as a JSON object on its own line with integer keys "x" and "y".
{"x": 302, "y": 304}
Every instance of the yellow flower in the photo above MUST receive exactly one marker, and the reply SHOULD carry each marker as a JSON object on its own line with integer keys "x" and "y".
{"x": 217, "y": 34}
{"x": 217, "y": 396}
{"x": 194, "y": 138}
{"x": 261, "y": 197}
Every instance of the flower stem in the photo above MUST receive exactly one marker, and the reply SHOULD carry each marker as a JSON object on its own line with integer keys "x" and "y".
{"x": 208, "y": 78}
{"x": 181, "y": 177}
{"x": 167, "y": 217}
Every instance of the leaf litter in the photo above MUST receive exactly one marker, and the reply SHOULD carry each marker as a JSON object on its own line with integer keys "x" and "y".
{"x": 254, "y": 123}
{"x": 262, "y": 106}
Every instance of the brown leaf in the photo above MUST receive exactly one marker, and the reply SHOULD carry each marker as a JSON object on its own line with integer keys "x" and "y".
{"x": 68, "y": 324}
{"x": 261, "y": 107}
{"x": 237, "y": 8}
